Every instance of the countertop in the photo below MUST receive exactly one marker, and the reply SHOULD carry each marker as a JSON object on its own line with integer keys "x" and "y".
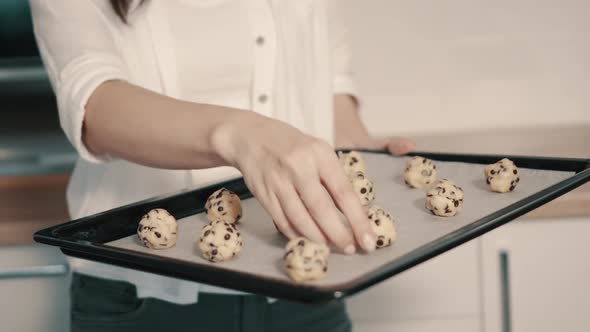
{"x": 30, "y": 203}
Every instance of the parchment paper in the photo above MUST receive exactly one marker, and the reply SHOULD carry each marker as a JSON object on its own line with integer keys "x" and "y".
{"x": 263, "y": 247}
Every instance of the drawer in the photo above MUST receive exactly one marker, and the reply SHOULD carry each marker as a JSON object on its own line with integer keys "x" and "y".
{"x": 447, "y": 285}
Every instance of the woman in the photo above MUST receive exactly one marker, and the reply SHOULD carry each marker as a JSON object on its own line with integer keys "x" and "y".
{"x": 162, "y": 95}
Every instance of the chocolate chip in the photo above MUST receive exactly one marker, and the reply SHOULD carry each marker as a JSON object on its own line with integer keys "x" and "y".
{"x": 444, "y": 190}
{"x": 214, "y": 252}
{"x": 456, "y": 203}
{"x": 238, "y": 233}
{"x": 488, "y": 180}
{"x": 227, "y": 237}
{"x": 515, "y": 171}
{"x": 287, "y": 254}
{"x": 325, "y": 268}
{"x": 301, "y": 243}
{"x": 229, "y": 230}
{"x": 512, "y": 188}
{"x": 370, "y": 189}
{"x": 429, "y": 195}
{"x": 433, "y": 166}
{"x": 211, "y": 245}
{"x": 158, "y": 235}
{"x": 220, "y": 209}
{"x": 493, "y": 172}
{"x": 379, "y": 243}
{"x": 354, "y": 160}
{"x": 363, "y": 190}
{"x": 207, "y": 232}
{"x": 219, "y": 195}
{"x": 424, "y": 161}
{"x": 517, "y": 180}
{"x": 377, "y": 222}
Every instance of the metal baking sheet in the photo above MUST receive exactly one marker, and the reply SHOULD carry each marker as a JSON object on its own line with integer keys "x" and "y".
{"x": 258, "y": 268}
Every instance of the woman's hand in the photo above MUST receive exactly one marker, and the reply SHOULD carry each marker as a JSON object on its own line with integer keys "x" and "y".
{"x": 395, "y": 145}
{"x": 297, "y": 179}
{"x": 352, "y": 134}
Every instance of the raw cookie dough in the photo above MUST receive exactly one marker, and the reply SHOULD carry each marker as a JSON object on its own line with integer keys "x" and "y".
{"x": 224, "y": 205}
{"x": 157, "y": 229}
{"x": 305, "y": 260}
{"x": 502, "y": 176}
{"x": 382, "y": 225}
{"x": 352, "y": 162}
{"x": 220, "y": 241}
{"x": 420, "y": 172}
{"x": 445, "y": 199}
{"x": 363, "y": 187}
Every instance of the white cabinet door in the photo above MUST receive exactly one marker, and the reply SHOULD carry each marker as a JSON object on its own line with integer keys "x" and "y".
{"x": 444, "y": 287}
{"x": 450, "y": 324}
{"x": 537, "y": 276}
{"x": 34, "y": 287}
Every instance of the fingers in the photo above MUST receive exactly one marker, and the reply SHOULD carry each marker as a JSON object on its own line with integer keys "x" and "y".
{"x": 322, "y": 210}
{"x": 400, "y": 146}
{"x": 347, "y": 201}
{"x": 279, "y": 218}
{"x": 297, "y": 215}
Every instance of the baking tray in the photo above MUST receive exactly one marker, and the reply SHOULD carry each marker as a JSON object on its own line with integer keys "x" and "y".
{"x": 109, "y": 237}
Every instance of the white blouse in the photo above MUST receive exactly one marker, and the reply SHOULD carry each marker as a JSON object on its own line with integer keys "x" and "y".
{"x": 281, "y": 58}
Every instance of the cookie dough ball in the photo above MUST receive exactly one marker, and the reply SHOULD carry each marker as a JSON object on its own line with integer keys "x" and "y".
{"x": 382, "y": 225}
{"x": 363, "y": 187}
{"x": 420, "y": 172}
{"x": 220, "y": 241}
{"x": 445, "y": 198}
{"x": 224, "y": 205}
{"x": 352, "y": 162}
{"x": 502, "y": 176}
{"x": 448, "y": 188}
{"x": 305, "y": 260}
{"x": 157, "y": 229}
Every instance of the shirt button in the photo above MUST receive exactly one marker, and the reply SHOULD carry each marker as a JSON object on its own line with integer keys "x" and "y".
{"x": 262, "y": 98}
{"x": 260, "y": 40}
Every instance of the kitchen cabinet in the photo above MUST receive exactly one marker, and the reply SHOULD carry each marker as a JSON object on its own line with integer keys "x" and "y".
{"x": 536, "y": 276}
{"x": 442, "y": 294}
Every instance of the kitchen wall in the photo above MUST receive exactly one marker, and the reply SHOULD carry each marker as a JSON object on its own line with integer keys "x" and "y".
{"x": 441, "y": 66}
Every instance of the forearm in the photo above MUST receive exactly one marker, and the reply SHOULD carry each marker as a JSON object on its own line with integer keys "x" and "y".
{"x": 350, "y": 131}
{"x": 132, "y": 123}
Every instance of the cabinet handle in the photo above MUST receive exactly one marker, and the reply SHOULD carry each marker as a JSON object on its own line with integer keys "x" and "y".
{"x": 505, "y": 291}
{"x": 33, "y": 271}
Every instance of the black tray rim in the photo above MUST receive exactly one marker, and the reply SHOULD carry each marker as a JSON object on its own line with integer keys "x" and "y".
{"x": 279, "y": 288}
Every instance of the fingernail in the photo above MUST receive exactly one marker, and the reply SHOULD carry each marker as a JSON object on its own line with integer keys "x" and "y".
{"x": 368, "y": 242}
{"x": 349, "y": 250}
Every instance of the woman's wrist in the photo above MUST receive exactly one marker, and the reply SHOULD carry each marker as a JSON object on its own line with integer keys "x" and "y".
{"x": 228, "y": 136}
